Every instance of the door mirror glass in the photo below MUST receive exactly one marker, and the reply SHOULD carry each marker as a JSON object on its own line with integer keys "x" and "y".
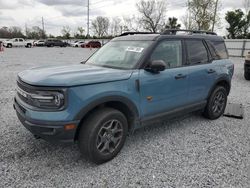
{"x": 156, "y": 66}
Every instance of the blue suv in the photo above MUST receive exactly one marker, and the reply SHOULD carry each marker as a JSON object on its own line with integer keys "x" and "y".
{"x": 134, "y": 80}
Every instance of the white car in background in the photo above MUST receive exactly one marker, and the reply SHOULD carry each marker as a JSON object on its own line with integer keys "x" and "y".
{"x": 17, "y": 42}
{"x": 73, "y": 43}
{"x": 77, "y": 43}
{"x": 39, "y": 43}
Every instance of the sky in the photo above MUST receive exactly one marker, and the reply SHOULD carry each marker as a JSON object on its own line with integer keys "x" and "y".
{"x": 73, "y": 13}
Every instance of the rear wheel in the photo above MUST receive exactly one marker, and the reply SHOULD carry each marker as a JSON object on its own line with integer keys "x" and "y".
{"x": 247, "y": 75}
{"x": 102, "y": 135}
{"x": 9, "y": 45}
{"x": 216, "y": 103}
{"x": 28, "y": 45}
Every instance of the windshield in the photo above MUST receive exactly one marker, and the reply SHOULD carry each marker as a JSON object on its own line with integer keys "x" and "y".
{"x": 119, "y": 54}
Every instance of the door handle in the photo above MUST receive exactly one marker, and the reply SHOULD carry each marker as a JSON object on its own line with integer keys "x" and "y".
{"x": 180, "y": 76}
{"x": 210, "y": 71}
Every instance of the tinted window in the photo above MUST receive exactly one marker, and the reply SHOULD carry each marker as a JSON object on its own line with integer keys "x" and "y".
{"x": 220, "y": 49}
{"x": 170, "y": 52}
{"x": 197, "y": 52}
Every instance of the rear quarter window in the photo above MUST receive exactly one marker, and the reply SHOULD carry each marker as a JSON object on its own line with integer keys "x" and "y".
{"x": 220, "y": 49}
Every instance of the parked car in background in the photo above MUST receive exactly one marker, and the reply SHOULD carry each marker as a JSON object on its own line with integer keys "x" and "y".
{"x": 39, "y": 43}
{"x": 17, "y": 42}
{"x": 92, "y": 44}
{"x": 134, "y": 80}
{"x": 78, "y": 44}
{"x": 72, "y": 44}
{"x": 55, "y": 42}
{"x": 247, "y": 66}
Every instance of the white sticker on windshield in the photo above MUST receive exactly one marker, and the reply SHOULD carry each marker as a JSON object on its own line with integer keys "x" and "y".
{"x": 134, "y": 49}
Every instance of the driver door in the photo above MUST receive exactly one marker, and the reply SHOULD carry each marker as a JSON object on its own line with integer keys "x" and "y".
{"x": 167, "y": 90}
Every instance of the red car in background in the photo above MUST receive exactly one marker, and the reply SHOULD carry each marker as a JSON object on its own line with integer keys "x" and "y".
{"x": 92, "y": 44}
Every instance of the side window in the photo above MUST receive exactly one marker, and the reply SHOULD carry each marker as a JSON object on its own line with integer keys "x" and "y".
{"x": 20, "y": 40}
{"x": 170, "y": 51}
{"x": 220, "y": 49}
{"x": 16, "y": 40}
{"x": 196, "y": 51}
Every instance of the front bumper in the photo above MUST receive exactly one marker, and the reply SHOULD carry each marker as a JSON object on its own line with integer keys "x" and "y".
{"x": 52, "y": 131}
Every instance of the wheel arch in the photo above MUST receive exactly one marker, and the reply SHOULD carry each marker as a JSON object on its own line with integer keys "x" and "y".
{"x": 221, "y": 82}
{"x": 126, "y": 106}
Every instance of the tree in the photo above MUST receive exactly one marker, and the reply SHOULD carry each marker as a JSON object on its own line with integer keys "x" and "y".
{"x": 115, "y": 26}
{"x": 239, "y": 24}
{"x": 16, "y": 32}
{"x": 79, "y": 33}
{"x": 204, "y": 13}
{"x": 152, "y": 14}
{"x": 35, "y": 33}
{"x": 100, "y": 26}
{"x": 172, "y": 23}
{"x": 66, "y": 32}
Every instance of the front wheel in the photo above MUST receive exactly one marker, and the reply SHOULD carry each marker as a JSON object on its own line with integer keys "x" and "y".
{"x": 216, "y": 103}
{"x": 102, "y": 135}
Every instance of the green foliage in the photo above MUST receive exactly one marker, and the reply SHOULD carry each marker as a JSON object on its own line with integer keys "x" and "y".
{"x": 11, "y": 32}
{"x": 35, "y": 33}
{"x": 66, "y": 32}
{"x": 172, "y": 23}
{"x": 239, "y": 24}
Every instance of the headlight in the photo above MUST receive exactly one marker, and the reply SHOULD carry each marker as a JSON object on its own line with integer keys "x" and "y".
{"x": 48, "y": 99}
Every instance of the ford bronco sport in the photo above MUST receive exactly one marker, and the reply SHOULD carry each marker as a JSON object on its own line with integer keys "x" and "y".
{"x": 134, "y": 80}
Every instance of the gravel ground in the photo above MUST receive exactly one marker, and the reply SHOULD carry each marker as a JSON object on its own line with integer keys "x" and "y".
{"x": 189, "y": 152}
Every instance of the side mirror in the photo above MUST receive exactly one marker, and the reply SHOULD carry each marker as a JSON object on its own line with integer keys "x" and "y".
{"x": 156, "y": 66}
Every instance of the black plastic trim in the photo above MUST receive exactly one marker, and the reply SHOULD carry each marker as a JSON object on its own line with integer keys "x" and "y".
{"x": 103, "y": 100}
{"x": 174, "y": 113}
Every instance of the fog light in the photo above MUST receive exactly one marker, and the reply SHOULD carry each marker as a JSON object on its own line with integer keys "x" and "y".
{"x": 69, "y": 127}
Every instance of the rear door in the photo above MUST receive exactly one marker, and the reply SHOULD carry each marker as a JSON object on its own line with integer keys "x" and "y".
{"x": 168, "y": 89}
{"x": 202, "y": 73}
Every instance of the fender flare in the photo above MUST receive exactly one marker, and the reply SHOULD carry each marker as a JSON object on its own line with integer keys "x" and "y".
{"x": 131, "y": 106}
{"x": 223, "y": 78}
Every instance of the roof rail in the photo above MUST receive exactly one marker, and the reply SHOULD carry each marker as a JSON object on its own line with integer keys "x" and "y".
{"x": 135, "y": 33}
{"x": 174, "y": 31}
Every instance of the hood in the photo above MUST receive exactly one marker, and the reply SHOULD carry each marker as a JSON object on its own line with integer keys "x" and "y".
{"x": 72, "y": 75}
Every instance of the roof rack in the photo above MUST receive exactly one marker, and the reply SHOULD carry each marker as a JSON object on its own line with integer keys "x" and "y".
{"x": 174, "y": 31}
{"x": 136, "y": 33}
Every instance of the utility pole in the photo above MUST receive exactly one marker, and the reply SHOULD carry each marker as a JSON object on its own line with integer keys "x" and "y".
{"x": 215, "y": 13}
{"x": 88, "y": 21}
{"x": 43, "y": 27}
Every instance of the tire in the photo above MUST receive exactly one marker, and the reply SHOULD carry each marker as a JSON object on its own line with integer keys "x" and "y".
{"x": 9, "y": 45}
{"x": 28, "y": 45}
{"x": 247, "y": 75}
{"x": 105, "y": 127}
{"x": 216, "y": 103}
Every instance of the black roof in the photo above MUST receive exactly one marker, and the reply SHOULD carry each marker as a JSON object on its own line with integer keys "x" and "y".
{"x": 171, "y": 34}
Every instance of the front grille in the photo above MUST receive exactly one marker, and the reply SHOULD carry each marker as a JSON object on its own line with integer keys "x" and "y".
{"x": 22, "y": 89}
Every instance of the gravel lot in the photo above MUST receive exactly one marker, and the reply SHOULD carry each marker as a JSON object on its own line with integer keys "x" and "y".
{"x": 189, "y": 152}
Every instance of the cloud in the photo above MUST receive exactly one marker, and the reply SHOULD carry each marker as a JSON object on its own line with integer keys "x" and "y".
{"x": 76, "y": 11}
{"x": 63, "y": 2}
